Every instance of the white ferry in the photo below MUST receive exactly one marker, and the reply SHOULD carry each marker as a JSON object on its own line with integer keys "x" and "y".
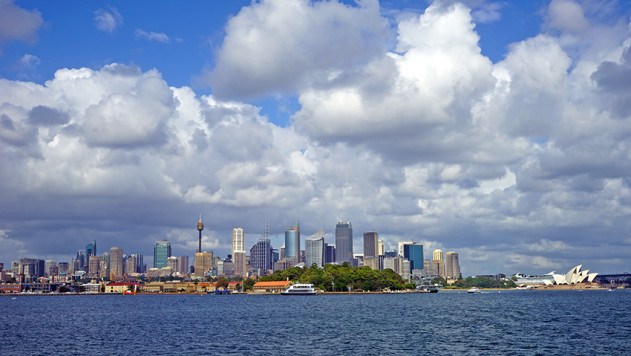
{"x": 474, "y": 290}
{"x": 299, "y": 289}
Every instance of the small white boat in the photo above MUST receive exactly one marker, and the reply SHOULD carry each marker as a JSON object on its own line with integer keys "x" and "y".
{"x": 299, "y": 289}
{"x": 474, "y": 290}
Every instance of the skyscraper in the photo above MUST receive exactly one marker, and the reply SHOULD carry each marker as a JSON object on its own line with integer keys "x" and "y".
{"x": 161, "y": 252}
{"x": 131, "y": 265}
{"x": 381, "y": 248}
{"x": 116, "y": 262}
{"x": 371, "y": 244}
{"x": 343, "y": 242}
{"x": 90, "y": 249}
{"x": 414, "y": 253}
{"x": 182, "y": 264}
{"x": 314, "y": 249}
{"x": 203, "y": 263}
{"x": 401, "y": 244}
{"x": 452, "y": 265}
{"x": 261, "y": 256}
{"x": 329, "y": 254}
{"x": 238, "y": 241}
{"x": 292, "y": 242}
{"x": 439, "y": 262}
{"x": 239, "y": 263}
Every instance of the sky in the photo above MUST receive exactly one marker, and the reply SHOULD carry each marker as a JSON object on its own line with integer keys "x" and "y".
{"x": 500, "y": 130}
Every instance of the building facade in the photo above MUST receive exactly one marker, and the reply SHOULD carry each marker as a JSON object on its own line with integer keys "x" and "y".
{"x": 414, "y": 253}
{"x": 343, "y": 242}
{"x": 292, "y": 242}
{"x": 452, "y": 266}
{"x": 203, "y": 263}
{"x": 261, "y": 256}
{"x": 161, "y": 251}
{"x": 238, "y": 240}
{"x": 371, "y": 244}
{"x": 116, "y": 262}
{"x": 315, "y": 250}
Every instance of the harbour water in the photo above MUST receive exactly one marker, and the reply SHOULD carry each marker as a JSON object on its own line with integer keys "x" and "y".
{"x": 510, "y": 322}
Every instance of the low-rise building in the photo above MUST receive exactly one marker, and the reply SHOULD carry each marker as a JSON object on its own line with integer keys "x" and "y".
{"x": 122, "y": 287}
{"x": 271, "y": 287}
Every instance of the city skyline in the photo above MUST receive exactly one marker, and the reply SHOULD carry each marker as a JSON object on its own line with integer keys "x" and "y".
{"x": 496, "y": 129}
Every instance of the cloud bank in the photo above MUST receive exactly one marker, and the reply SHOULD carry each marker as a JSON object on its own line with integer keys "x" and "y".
{"x": 521, "y": 165}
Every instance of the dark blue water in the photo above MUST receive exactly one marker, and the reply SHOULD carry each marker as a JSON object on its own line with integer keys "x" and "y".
{"x": 515, "y": 322}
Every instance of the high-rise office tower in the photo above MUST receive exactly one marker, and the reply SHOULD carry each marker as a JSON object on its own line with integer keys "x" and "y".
{"x": 50, "y": 267}
{"x": 200, "y": 227}
{"x": 182, "y": 264}
{"x": 371, "y": 239}
{"x": 292, "y": 242}
{"x": 314, "y": 249}
{"x": 452, "y": 265}
{"x": 414, "y": 253}
{"x": 172, "y": 264}
{"x": 95, "y": 266}
{"x": 238, "y": 240}
{"x": 401, "y": 244}
{"x": 203, "y": 263}
{"x": 161, "y": 251}
{"x": 239, "y": 263}
{"x": 439, "y": 263}
{"x": 261, "y": 256}
{"x": 116, "y": 262}
{"x": 343, "y": 242}
{"x": 131, "y": 264}
{"x": 83, "y": 260}
{"x": 329, "y": 254}
{"x": 90, "y": 249}
{"x": 381, "y": 248}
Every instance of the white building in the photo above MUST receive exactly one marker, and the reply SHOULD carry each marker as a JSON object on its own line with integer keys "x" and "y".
{"x": 314, "y": 249}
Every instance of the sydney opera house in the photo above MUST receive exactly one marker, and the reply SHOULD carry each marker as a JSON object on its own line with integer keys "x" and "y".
{"x": 576, "y": 276}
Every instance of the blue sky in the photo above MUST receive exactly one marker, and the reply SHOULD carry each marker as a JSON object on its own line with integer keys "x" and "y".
{"x": 497, "y": 129}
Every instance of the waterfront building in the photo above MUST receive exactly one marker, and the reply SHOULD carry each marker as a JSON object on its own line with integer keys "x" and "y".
{"x": 452, "y": 266}
{"x": 400, "y": 246}
{"x": 261, "y": 256}
{"x": 271, "y": 287}
{"x": 371, "y": 244}
{"x": 343, "y": 242}
{"x": 161, "y": 251}
{"x": 116, "y": 262}
{"x": 203, "y": 263}
{"x": 414, "y": 253}
{"x": 238, "y": 240}
{"x": 292, "y": 242}
{"x": 315, "y": 250}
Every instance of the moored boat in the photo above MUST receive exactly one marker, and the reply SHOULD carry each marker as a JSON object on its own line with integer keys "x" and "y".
{"x": 429, "y": 288}
{"x": 474, "y": 290}
{"x": 299, "y": 289}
